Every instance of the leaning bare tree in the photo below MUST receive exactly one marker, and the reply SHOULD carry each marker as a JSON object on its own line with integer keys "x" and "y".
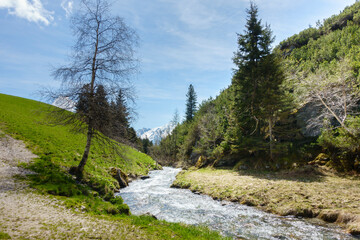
{"x": 100, "y": 66}
{"x": 334, "y": 92}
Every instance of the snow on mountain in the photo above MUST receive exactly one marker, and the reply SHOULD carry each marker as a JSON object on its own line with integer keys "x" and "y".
{"x": 142, "y": 131}
{"x": 156, "y": 134}
{"x": 64, "y": 103}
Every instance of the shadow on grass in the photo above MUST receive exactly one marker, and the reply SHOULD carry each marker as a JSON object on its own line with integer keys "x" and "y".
{"x": 303, "y": 174}
{"x": 52, "y": 179}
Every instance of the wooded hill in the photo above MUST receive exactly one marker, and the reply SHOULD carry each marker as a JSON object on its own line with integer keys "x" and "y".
{"x": 285, "y": 107}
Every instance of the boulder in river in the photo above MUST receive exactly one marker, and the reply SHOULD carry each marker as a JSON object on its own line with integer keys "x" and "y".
{"x": 132, "y": 177}
{"x": 120, "y": 176}
{"x": 144, "y": 177}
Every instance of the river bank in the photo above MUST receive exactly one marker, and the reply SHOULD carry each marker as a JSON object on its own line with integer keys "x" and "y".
{"x": 309, "y": 192}
{"x": 154, "y": 196}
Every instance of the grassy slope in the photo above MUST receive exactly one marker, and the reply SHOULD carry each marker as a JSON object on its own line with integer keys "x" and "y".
{"x": 26, "y": 119}
{"x": 303, "y": 193}
{"x": 58, "y": 149}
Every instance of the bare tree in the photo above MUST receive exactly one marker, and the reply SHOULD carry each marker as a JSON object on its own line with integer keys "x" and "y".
{"x": 334, "y": 92}
{"x": 103, "y": 55}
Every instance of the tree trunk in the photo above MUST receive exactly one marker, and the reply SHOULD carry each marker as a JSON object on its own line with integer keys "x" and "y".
{"x": 271, "y": 138}
{"x": 80, "y": 168}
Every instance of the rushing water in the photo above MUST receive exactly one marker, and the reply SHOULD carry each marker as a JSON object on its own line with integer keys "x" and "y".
{"x": 155, "y": 196}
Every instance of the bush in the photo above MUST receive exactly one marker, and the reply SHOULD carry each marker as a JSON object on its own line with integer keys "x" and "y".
{"x": 343, "y": 146}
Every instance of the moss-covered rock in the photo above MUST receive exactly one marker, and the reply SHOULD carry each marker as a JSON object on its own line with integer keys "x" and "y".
{"x": 321, "y": 159}
{"x": 120, "y": 176}
{"x": 201, "y": 162}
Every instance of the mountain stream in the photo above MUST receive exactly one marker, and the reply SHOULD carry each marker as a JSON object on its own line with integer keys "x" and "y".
{"x": 155, "y": 196}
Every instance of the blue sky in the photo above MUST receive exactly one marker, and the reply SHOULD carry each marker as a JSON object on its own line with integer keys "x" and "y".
{"x": 182, "y": 42}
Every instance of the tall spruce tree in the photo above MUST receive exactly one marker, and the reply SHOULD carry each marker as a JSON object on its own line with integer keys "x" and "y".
{"x": 190, "y": 103}
{"x": 256, "y": 84}
{"x": 253, "y": 46}
{"x": 120, "y": 117}
{"x": 94, "y": 108}
{"x": 273, "y": 100}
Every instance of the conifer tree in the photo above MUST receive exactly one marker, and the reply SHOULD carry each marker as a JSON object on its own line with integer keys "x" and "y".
{"x": 190, "y": 103}
{"x": 253, "y": 46}
{"x": 257, "y": 94}
{"x": 95, "y": 108}
{"x": 102, "y": 110}
{"x": 273, "y": 100}
{"x": 119, "y": 118}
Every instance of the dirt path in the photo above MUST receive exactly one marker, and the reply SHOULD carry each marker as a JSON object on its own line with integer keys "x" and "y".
{"x": 25, "y": 214}
{"x": 12, "y": 152}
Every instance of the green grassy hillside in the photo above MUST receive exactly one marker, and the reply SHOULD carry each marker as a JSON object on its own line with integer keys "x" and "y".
{"x": 26, "y": 120}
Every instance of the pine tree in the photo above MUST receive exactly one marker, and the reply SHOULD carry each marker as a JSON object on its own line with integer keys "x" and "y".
{"x": 255, "y": 42}
{"x": 273, "y": 100}
{"x": 94, "y": 108}
{"x": 101, "y": 110}
{"x": 82, "y": 106}
{"x": 253, "y": 46}
{"x": 256, "y": 84}
{"x": 120, "y": 118}
{"x": 190, "y": 103}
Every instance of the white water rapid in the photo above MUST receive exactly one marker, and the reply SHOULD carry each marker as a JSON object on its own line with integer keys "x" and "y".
{"x": 155, "y": 196}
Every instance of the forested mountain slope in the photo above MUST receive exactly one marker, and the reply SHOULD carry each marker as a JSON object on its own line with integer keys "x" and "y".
{"x": 293, "y": 105}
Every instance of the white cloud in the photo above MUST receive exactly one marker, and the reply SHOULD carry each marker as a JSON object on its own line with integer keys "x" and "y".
{"x": 32, "y": 11}
{"x": 196, "y": 14}
{"x": 199, "y": 14}
{"x": 67, "y": 5}
{"x": 199, "y": 51}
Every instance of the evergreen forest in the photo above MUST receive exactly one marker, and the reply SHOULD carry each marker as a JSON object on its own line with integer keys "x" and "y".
{"x": 287, "y": 106}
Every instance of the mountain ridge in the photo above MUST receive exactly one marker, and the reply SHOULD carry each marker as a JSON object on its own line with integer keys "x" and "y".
{"x": 156, "y": 134}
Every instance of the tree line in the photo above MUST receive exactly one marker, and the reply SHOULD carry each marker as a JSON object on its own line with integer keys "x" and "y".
{"x": 110, "y": 117}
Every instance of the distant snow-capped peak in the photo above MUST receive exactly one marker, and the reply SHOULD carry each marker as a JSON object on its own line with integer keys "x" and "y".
{"x": 156, "y": 134}
{"x": 142, "y": 131}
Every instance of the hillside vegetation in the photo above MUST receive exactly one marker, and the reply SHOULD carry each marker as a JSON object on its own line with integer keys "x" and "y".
{"x": 26, "y": 120}
{"x": 294, "y": 105}
{"x": 58, "y": 149}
